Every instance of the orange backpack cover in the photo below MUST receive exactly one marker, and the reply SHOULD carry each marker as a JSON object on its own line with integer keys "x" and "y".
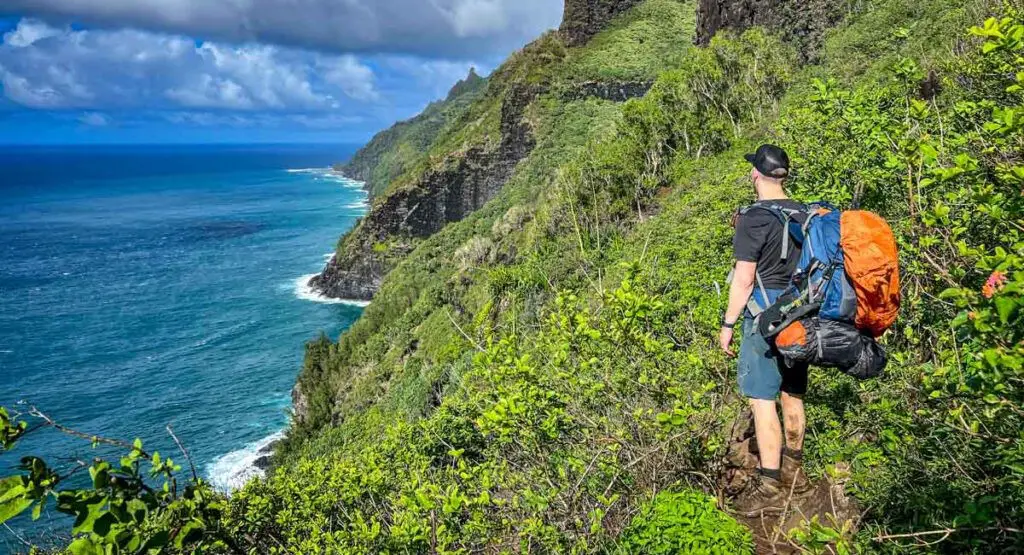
{"x": 872, "y": 264}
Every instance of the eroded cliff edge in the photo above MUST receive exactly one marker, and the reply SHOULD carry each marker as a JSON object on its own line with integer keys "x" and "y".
{"x": 800, "y": 22}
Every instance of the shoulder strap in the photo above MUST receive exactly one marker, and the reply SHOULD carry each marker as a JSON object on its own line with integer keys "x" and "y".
{"x": 785, "y": 216}
{"x": 753, "y": 306}
{"x": 814, "y": 211}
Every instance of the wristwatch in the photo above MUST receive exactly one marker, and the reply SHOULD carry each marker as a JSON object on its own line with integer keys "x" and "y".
{"x": 727, "y": 324}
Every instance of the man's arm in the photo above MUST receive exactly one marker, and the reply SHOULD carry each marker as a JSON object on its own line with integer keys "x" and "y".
{"x": 740, "y": 289}
{"x": 739, "y": 293}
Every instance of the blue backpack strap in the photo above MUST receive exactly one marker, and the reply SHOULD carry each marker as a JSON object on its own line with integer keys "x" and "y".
{"x": 812, "y": 213}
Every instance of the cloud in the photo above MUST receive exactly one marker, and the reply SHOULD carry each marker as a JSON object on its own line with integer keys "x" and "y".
{"x": 436, "y": 77}
{"x": 27, "y": 32}
{"x": 94, "y": 119}
{"x": 262, "y": 121}
{"x": 442, "y": 28}
{"x": 478, "y": 18}
{"x": 346, "y": 73}
{"x": 46, "y": 67}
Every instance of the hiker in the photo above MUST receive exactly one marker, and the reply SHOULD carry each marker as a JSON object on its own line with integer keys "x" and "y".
{"x": 765, "y": 262}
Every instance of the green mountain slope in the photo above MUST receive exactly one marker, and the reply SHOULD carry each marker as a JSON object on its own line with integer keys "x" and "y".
{"x": 541, "y": 374}
{"x": 480, "y": 147}
{"x": 396, "y": 150}
{"x": 551, "y": 389}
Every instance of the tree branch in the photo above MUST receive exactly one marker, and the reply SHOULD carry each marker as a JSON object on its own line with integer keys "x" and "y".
{"x": 33, "y": 411}
{"x": 191, "y": 465}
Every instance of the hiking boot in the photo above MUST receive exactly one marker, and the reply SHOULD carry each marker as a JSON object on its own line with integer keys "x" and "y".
{"x": 765, "y": 496}
{"x": 793, "y": 476}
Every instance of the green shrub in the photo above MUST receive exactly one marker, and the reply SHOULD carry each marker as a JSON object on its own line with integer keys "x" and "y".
{"x": 686, "y": 522}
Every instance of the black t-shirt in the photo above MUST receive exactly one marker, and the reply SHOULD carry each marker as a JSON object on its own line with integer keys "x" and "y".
{"x": 759, "y": 239}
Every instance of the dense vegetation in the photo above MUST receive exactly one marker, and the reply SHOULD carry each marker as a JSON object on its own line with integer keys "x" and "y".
{"x": 542, "y": 376}
{"x": 394, "y": 151}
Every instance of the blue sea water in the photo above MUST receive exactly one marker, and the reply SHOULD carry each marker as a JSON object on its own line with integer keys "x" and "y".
{"x": 147, "y": 286}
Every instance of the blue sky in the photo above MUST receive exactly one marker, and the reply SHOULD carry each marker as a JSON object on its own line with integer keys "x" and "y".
{"x": 194, "y": 71}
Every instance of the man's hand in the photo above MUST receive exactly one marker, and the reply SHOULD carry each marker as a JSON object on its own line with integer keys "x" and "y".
{"x": 725, "y": 341}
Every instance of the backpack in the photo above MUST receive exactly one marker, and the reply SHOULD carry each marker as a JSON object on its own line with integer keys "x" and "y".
{"x": 844, "y": 294}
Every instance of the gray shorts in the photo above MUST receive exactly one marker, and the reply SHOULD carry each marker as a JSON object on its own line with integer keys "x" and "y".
{"x": 762, "y": 375}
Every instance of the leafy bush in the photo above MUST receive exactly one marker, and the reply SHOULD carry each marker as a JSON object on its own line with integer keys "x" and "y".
{"x": 475, "y": 252}
{"x": 696, "y": 110}
{"x": 687, "y": 522}
{"x": 947, "y": 172}
{"x": 121, "y": 510}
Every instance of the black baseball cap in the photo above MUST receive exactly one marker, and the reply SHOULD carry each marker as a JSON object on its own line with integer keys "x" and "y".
{"x": 770, "y": 160}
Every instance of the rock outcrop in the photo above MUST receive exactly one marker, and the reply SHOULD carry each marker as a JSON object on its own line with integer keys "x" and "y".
{"x": 395, "y": 150}
{"x": 300, "y": 405}
{"x": 800, "y": 22}
{"x": 615, "y": 91}
{"x": 582, "y": 19}
{"x": 461, "y": 185}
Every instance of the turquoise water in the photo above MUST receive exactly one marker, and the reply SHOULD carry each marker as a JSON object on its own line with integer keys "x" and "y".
{"x": 145, "y": 286}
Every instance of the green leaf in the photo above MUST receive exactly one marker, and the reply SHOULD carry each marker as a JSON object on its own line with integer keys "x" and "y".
{"x": 10, "y": 488}
{"x": 88, "y": 515}
{"x": 951, "y": 293}
{"x": 13, "y": 508}
{"x": 191, "y": 532}
{"x": 103, "y": 524}
{"x": 157, "y": 541}
{"x": 1005, "y": 307}
{"x": 84, "y": 546}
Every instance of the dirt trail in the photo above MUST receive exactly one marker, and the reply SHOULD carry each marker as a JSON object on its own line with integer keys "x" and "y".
{"x": 827, "y": 500}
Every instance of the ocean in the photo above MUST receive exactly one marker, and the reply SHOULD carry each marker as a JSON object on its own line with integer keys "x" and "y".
{"x": 147, "y": 286}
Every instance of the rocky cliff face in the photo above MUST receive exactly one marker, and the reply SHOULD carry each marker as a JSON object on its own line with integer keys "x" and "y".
{"x": 582, "y": 19}
{"x": 463, "y": 183}
{"x": 801, "y": 22}
{"x": 466, "y": 180}
{"x": 615, "y": 91}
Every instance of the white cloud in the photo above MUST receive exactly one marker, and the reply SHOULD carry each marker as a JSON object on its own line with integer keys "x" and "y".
{"x": 29, "y": 31}
{"x": 345, "y": 72}
{"x": 452, "y": 28}
{"x": 263, "y": 121}
{"x": 208, "y": 119}
{"x": 94, "y": 119}
{"x": 97, "y": 69}
{"x": 434, "y": 76}
{"x": 478, "y": 18}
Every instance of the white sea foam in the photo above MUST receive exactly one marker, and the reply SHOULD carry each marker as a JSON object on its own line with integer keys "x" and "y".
{"x": 328, "y": 256}
{"x": 231, "y": 471}
{"x": 361, "y": 204}
{"x": 331, "y": 174}
{"x": 305, "y": 292}
{"x": 346, "y": 182}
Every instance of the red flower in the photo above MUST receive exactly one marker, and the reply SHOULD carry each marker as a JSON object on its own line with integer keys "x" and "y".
{"x": 995, "y": 282}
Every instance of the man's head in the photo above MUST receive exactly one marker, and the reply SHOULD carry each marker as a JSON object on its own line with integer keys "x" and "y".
{"x": 771, "y": 166}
